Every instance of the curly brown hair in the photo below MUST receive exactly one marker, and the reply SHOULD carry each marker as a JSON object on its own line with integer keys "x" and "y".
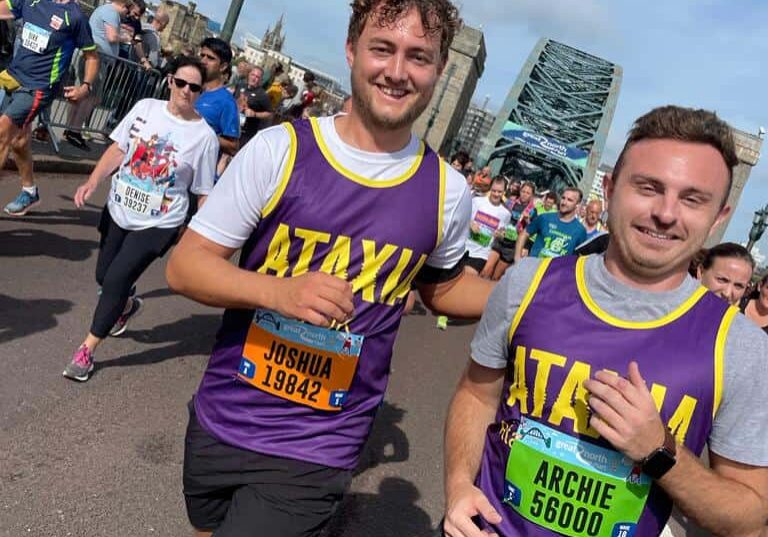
{"x": 439, "y": 17}
{"x": 685, "y": 125}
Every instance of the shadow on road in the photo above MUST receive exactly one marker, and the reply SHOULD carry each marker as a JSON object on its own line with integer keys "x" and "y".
{"x": 67, "y": 217}
{"x": 387, "y": 443}
{"x": 21, "y": 318}
{"x": 36, "y": 242}
{"x": 185, "y": 337}
{"x": 393, "y": 511}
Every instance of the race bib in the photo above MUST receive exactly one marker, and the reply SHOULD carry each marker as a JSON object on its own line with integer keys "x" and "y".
{"x": 487, "y": 224}
{"x": 34, "y": 38}
{"x": 571, "y": 486}
{"x": 138, "y": 200}
{"x": 302, "y": 363}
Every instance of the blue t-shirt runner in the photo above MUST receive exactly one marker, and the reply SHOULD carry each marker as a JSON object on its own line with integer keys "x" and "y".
{"x": 219, "y": 109}
{"x": 49, "y": 37}
{"x": 555, "y": 237}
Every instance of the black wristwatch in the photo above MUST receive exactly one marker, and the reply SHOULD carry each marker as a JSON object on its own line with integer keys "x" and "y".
{"x": 88, "y": 84}
{"x": 661, "y": 460}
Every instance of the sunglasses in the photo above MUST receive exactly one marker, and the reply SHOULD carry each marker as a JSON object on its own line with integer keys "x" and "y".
{"x": 181, "y": 84}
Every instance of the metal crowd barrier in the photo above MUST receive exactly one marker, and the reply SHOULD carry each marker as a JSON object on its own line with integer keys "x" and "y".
{"x": 120, "y": 85}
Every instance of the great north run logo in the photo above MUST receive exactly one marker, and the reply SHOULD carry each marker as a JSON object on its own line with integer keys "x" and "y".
{"x": 515, "y": 132}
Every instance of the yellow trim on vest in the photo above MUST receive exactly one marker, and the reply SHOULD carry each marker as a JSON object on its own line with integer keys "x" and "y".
{"x": 272, "y": 203}
{"x": 528, "y": 296}
{"x": 722, "y": 334}
{"x": 441, "y": 203}
{"x": 581, "y": 284}
{"x": 359, "y": 178}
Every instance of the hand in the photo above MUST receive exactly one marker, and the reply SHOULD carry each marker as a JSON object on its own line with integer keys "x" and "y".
{"x": 76, "y": 93}
{"x": 499, "y": 233}
{"x": 624, "y": 412}
{"x": 462, "y": 504}
{"x": 474, "y": 227}
{"x": 84, "y": 192}
{"x": 315, "y": 297}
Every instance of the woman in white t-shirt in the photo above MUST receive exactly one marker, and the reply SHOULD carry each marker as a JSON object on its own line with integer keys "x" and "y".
{"x": 489, "y": 219}
{"x": 162, "y": 151}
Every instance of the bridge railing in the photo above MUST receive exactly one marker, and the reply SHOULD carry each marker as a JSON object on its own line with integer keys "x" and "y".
{"x": 120, "y": 85}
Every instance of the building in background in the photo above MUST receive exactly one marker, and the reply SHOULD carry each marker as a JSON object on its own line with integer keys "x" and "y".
{"x": 439, "y": 124}
{"x": 268, "y": 52}
{"x": 748, "y": 148}
{"x": 186, "y": 26}
{"x": 474, "y": 128}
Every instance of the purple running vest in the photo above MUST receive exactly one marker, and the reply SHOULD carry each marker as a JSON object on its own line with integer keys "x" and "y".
{"x": 392, "y": 216}
{"x": 679, "y": 353}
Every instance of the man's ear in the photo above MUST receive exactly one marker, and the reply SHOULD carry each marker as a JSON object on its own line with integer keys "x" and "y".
{"x": 349, "y": 52}
{"x": 721, "y": 217}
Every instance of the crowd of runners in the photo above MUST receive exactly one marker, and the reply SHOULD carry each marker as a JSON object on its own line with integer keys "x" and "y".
{"x": 600, "y": 370}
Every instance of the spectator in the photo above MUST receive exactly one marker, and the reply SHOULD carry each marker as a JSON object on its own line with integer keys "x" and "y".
{"x": 489, "y": 219}
{"x": 282, "y": 111}
{"x": 459, "y": 160}
{"x": 756, "y": 309}
{"x": 726, "y": 270}
{"x": 216, "y": 104}
{"x": 33, "y": 79}
{"x": 591, "y": 222}
{"x": 131, "y": 32}
{"x": 151, "y": 31}
{"x": 557, "y": 234}
{"x": 162, "y": 151}
{"x": 239, "y": 79}
{"x": 256, "y": 106}
{"x": 105, "y": 26}
{"x": 481, "y": 183}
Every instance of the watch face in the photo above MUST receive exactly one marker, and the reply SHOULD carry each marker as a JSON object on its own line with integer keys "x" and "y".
{"x": 659, "y": 463}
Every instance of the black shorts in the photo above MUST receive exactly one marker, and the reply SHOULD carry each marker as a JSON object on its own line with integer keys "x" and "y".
{"x": 476, "y": 263}
{"x": 505, "y": 248}
{"x": 241, "y": 493}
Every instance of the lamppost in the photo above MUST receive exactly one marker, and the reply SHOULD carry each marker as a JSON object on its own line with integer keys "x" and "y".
{"x": 759, "y": 223}
{"x": 232, "y": 15}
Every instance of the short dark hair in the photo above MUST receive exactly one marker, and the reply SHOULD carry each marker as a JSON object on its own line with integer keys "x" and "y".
{"x": 574, "y": 189}
{"x": 727, "y": 249}
{"x": 438, "y": 17}
{"x": 139, "y": 4}
{"x": 461, "y": 157}
{"x": 219, "y": 47}
{"x": 685, "y": 125}
{"x": 186, "y": 61}
{"x": 530, "y": 185}
{"x": 551, "y": 195}
{"x": 500, "y": 179}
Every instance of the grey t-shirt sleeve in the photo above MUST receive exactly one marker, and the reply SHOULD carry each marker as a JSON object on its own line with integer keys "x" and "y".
{"x": 740, "y": 428}
{"x": 489, "y": 345}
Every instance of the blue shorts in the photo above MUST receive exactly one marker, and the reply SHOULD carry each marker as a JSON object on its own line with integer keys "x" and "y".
{"x": 23, "y": 104}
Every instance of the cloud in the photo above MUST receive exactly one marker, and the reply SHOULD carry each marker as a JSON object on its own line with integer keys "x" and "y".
{"x": 549, "y": 18}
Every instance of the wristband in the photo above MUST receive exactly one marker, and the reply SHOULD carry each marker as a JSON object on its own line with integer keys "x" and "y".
{"x": 88, "y": 85}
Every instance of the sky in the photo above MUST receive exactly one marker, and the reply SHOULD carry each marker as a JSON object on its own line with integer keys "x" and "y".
{"x": 699, "y": 53}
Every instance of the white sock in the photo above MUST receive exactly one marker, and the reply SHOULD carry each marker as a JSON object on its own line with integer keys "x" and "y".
{"x": 32, "y": 190}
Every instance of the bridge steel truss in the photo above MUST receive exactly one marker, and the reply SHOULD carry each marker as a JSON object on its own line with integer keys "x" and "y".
{"x": 565, "y": 98}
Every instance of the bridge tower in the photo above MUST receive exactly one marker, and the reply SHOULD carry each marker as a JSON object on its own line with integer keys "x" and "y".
{"x": 554, "y": 123}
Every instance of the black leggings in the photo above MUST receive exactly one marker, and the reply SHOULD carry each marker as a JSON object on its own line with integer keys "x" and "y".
{"x": 123, "y": 257}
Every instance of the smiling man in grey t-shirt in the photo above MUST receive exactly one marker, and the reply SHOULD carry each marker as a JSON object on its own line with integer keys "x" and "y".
{"x": 595, "y": 383}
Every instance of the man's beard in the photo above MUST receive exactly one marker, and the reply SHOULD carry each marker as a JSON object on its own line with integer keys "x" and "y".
{"x": 368, "y": 116}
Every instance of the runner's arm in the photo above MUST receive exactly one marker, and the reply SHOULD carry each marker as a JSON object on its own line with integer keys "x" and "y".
{"x": 200, "y": 269}
{"x": 522, "y": 238}
{"x": 229, "y": 145}
{"x": 463, "y": 296}
{"x": 107, "y": 164}
{"x": 471, "y": 410}
{"x": 728, "y": 499}
{"x": 5, "y": 12}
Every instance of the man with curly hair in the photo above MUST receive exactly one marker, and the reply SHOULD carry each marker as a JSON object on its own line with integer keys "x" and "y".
{"x": 301, "y": 363}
